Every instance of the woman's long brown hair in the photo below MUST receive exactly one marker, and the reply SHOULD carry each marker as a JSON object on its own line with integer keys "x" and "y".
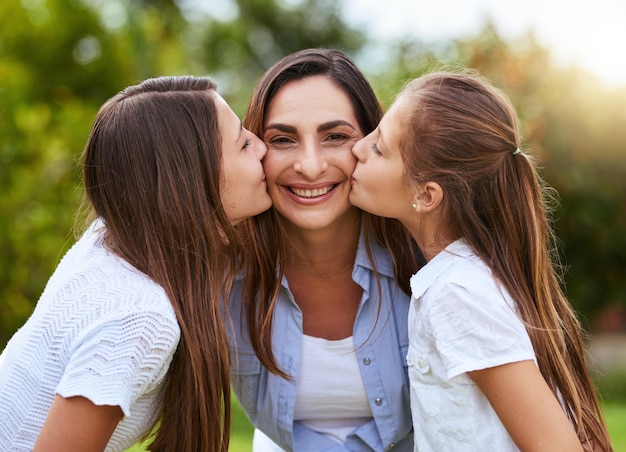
{"x": 152, "y": 171}
{"x": 262, "y": 286}
{"x": 462, "y": 133}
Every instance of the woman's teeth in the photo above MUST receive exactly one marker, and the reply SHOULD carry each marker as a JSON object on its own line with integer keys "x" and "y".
{"x": 311, "y": 193}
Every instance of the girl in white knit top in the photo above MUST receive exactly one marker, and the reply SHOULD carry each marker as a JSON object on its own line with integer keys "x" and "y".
{"x": 128, "y": 329}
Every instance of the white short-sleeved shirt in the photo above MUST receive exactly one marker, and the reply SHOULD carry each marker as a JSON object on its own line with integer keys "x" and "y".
{"x": 460, "y": 320}
{"x": 101, "y": 330}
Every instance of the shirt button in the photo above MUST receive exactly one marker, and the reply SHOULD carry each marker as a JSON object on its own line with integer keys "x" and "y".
{"x": 366, "y": 361}
{"x": 390, "y": 446}
{"x": 378, "y": 401}
{"x": 420, "y": 363}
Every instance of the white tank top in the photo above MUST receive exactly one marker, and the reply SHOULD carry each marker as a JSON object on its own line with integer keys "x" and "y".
{"x": 331, "y": 397}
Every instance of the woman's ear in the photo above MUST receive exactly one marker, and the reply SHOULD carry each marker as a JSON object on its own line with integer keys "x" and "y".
{"x": 428, "y": 197}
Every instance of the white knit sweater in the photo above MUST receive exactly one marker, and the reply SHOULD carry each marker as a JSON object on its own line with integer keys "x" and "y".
{"x": 101, "y": 330}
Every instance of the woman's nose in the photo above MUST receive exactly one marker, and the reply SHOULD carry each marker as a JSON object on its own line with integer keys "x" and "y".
{"x": 311, "y": 161}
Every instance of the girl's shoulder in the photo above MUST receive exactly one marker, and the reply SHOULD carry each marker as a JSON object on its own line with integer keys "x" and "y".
{"x": 456, "y": 265}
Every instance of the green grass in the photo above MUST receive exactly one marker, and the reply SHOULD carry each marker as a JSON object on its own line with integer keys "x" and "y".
{"x": 241, "y": 430}
{"x": 241, "y": 434}
{"x": 615, "y": 416}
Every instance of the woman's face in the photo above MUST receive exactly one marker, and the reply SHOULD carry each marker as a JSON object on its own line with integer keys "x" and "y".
{"x": 310, "y": 128}
{"x": 378, "y": 181}
{"x": 243, "y": 190}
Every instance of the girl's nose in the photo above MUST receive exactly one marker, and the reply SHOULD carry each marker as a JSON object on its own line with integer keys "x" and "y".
{"x": 357, "y": 149}
{"x": 260, "y": 147}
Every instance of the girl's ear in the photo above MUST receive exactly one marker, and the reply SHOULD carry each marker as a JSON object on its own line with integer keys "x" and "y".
{"x": 428, "y": 197}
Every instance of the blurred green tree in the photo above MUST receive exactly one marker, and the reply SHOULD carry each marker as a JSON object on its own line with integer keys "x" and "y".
{"x": 45, "y": 96}
{"x": 60, "y": 59}
{"x": 574, "y": 125}
{"x": 237, "y": 51}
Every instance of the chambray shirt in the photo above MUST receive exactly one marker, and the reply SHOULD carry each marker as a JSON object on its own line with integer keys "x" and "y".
{"x": 382, "y": 343}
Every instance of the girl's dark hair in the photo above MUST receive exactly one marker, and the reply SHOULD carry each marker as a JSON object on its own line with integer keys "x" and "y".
{"x": 462, "y": 133}
{"x": 261, "y": 288}
{"x": 152, "y": 172}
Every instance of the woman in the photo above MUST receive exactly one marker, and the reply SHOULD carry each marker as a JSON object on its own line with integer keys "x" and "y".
{"x": 319, "y": 349}
{"x": 128, "y": 330}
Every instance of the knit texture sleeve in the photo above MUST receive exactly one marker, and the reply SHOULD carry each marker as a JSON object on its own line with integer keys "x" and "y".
{"x": 119, "y": 359}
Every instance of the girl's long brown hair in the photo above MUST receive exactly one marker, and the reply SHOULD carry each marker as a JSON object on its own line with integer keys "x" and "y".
{"x": 463, "y": 134}
{"x": 261, "y": 287}
{"x": 152, "y": 171}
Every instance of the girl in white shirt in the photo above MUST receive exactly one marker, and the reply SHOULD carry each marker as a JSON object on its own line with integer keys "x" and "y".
{"x": 496, "y": 360}
{"x": 128, "y": 330}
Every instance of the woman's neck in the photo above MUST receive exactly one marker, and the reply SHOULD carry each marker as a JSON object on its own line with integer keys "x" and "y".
{"x": 318, "y": 267}
{"x": 323, "y": 252}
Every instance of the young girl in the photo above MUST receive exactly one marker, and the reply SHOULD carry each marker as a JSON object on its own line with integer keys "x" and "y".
{"x": 128, "y": 329}
{"x": 495, "y": 355}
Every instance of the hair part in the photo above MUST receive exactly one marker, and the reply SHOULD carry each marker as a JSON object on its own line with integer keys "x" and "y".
{"x": 152, "y": 171}
{"x": 463, "y": 134}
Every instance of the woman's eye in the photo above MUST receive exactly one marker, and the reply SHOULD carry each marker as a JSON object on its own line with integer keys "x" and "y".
{"x": 375, "y": 149}
{"x": 246, "y": 143}
{"x": 279, "y": 140}
{"x": 337, "y": 137}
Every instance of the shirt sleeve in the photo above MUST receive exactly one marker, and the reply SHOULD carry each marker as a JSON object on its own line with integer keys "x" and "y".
{"x": 475, "y": 328}
{"x": 118, "y": 360}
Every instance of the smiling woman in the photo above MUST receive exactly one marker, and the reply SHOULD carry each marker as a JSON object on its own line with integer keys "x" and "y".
{"x": 309, "y": 133}
{"x": 333, "y": 293}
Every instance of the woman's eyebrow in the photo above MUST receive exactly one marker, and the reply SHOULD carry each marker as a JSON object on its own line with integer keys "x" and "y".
{"x": 332, "y": 124}
{"x": 322, "y": 127}
{"x": 280, "y": 127}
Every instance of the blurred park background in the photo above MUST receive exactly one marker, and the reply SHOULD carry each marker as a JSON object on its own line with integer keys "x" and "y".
{"x": 61, "y": 59}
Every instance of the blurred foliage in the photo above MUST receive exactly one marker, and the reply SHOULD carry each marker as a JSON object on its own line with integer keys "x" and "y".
{"x": 61, "y": 59}
{"x": 576, "y": 127}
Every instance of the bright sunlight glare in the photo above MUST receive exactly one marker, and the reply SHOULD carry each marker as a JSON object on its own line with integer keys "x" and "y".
{"x": 591, "y": 35}
{"x": 585, "y": 33}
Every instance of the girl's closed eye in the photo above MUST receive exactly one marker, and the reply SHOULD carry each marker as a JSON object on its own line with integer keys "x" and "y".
{"x": 246, "y": 143}
{"x": 376, "y": 149}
